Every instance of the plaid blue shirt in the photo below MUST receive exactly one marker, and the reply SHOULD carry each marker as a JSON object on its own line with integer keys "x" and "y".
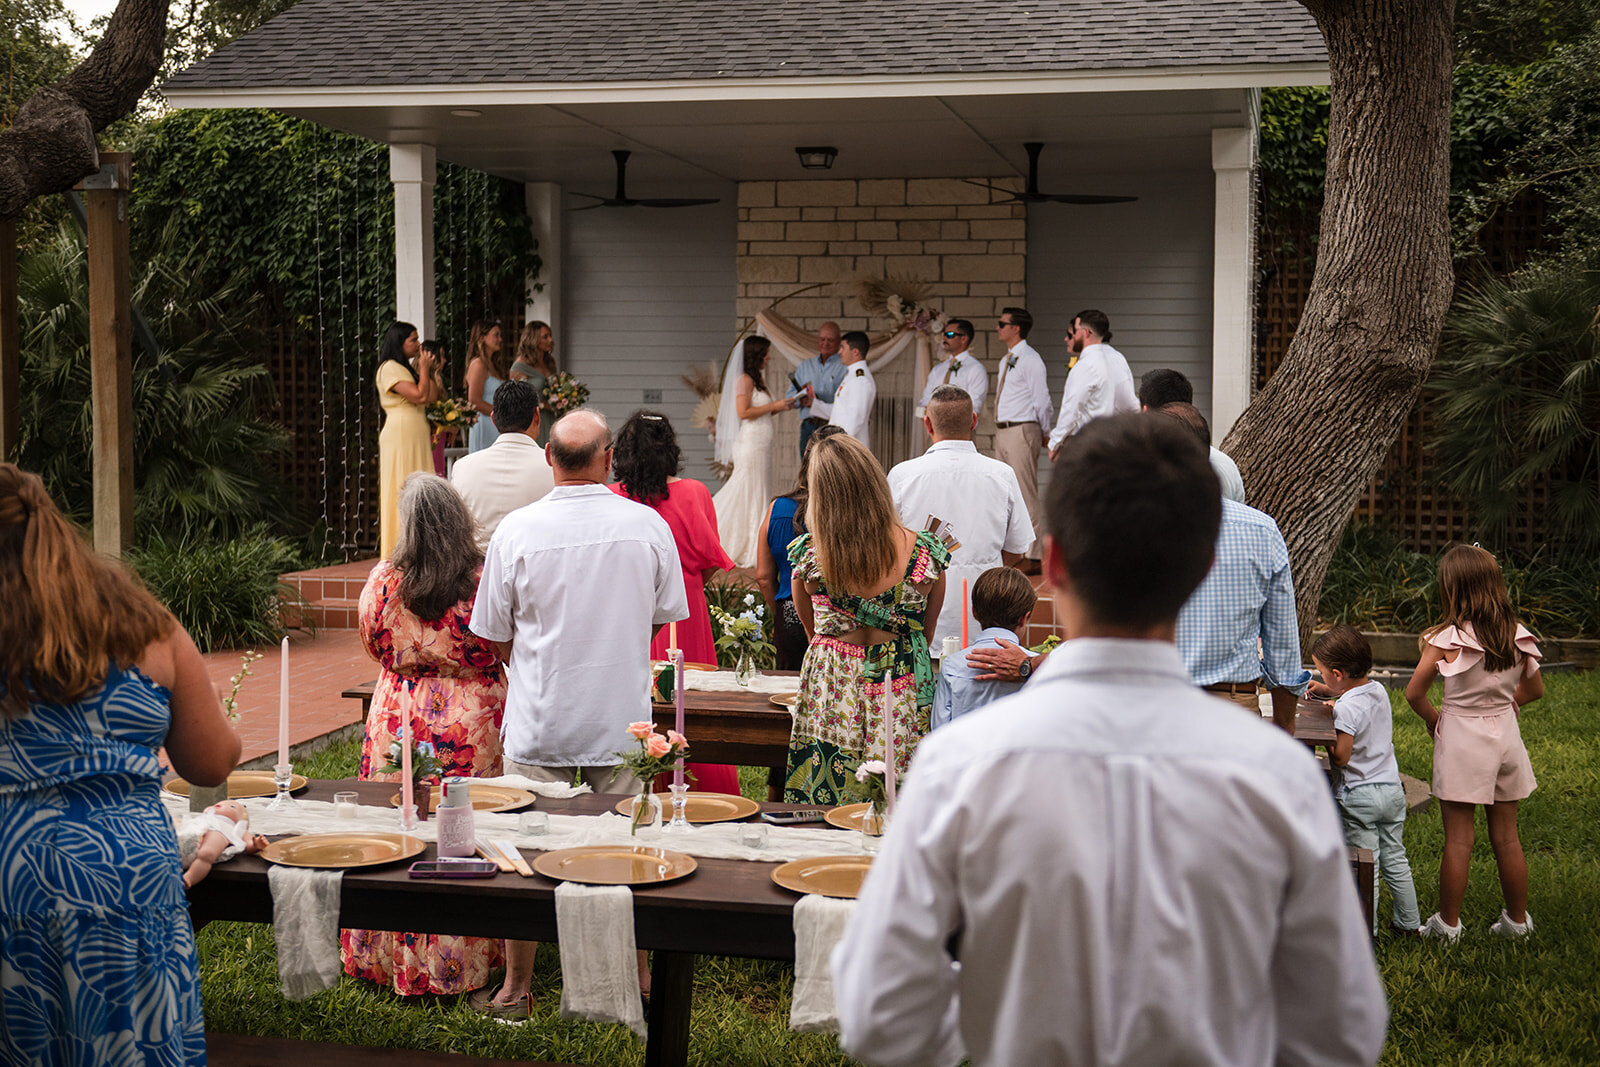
{"x": 1240, "y": 624}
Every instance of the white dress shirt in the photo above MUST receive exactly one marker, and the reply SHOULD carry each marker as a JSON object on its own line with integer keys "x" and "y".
{"x": 1024, "y": 393}
{"x": 980, "y": 498}
{"x": 1228, "y": 474}
{"x": 576, "y": 581}
{"x": 970, "y": 374}
{"x": 1100, "y": 384}
{"x": 497, "y": 480}
{"x": 1134, "y": 873}
{"x": 852, "y": 402}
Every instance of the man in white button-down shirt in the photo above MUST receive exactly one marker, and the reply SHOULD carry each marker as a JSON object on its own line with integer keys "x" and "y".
{"x": 851, "y": 409}
{"x": 978, "y": 496}
{"x": 1112, "y": 867}
{"x": 1022, "y": 416}
{"x": 1099, "y": 384}
{"x": 510, "y": 473}
{"x": 959, "y": 367}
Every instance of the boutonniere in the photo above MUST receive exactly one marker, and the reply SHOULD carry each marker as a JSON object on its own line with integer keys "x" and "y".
{"x": 1011, "y": 364}
{"x": 955, "y": 364}
{"x": 1072, "y": 361}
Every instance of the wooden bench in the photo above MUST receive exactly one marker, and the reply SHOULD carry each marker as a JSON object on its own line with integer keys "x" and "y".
{"x": 240, "y": 1050}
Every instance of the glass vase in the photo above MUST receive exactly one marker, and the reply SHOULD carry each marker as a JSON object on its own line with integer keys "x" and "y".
{"x": 744, "y": 669}
{"x": 646, "y": 809}
{"x": 874, "y": 820}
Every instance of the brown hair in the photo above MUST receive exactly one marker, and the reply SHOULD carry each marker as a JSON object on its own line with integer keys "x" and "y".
{"x": 1344, "y": 649}
{"x": 528, "y": 348}
{"x": 499, "y": 362}
{"x": 1472, "y": 591}
{"x": 67, "y": 611}
{"x": 801, "y": 492}
{"x": 851, "y": 515}
{"x": 1001, "y": 596}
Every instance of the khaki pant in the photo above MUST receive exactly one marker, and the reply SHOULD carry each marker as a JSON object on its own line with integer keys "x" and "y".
{"x": 597, "y": 778}
{"x": 1244, "y": 700}
{"x": 1018, "y": 448}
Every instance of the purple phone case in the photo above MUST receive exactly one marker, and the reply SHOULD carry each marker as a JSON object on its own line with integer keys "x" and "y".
{"x": 473, "y": 869}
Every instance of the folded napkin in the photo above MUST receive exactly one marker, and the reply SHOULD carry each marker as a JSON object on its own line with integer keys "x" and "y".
{"x": 305, "y": 924}
{"x": 554, "y": 790}
{"x": 818, "y": 925}
{"x": 599, "y": 961}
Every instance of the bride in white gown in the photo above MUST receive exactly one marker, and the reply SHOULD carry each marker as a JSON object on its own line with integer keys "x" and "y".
{"x": 743, "y": 499}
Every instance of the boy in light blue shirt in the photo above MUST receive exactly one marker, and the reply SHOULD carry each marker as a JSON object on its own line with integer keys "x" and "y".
{"x": 1002, "y": 602}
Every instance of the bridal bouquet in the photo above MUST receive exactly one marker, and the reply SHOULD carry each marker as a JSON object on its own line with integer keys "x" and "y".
{"x": 450, "y": 414}
{"x": 564, "y": 393}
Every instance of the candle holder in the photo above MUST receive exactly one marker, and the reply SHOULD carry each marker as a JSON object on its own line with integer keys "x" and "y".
{"x": 680, "y": 822}
{"x": 408, "y": 818}
{"x": 282, "y": 777}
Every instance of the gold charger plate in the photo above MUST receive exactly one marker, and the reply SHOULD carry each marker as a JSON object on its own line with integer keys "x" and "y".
{"x": 615, "y": 865}
{"x": 484, "y": 798}
{"x": 352, "y": 849}
{"x": 701, "y": 807}
{"x": 242, "y": 784}
{"x": 847, "y": 817}
{"x": 828, "y": 876}
{"x": 786, "y": 700}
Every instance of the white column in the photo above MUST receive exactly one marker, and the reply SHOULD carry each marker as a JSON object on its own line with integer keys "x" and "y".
{"x": 1233, "y": 160}
{"x": 412, "y": 168}
{"x": 543, "y": 201}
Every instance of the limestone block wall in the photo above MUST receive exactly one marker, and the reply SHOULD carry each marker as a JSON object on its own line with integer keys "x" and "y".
{"x": 968, "y": 247}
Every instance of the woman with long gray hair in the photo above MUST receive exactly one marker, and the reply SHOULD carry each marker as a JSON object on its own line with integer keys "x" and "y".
{"x": 450, "y": 686}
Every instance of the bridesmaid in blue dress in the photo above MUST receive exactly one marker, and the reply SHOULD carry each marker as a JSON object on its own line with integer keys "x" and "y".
{"x": 96, "y": 949}
{"x": 488, "y": 364}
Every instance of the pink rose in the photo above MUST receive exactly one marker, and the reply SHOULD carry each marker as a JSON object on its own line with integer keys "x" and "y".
{"x": 657, "y": 746}
{"x": 677, "y": 739}
{"x": 641, "y": 730}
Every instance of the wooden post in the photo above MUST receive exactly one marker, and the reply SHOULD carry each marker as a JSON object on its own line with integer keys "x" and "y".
{"x": 10, "y": 344}
{"x": 110, "y": 352}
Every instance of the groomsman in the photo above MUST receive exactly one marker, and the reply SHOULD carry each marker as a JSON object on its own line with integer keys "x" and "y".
{"x": 822, "y": 373}
{"x": 959, "y": 367}
{"x": 1022, "y": 417}
{"x": 851, "y": 409}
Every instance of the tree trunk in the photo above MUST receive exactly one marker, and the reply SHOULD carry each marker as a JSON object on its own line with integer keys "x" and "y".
{"x": 51, "y": 146}
{"x": 1312, "y": 438}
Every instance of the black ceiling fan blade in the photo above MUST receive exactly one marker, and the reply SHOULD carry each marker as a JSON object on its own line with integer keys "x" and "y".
{"x": 674, "y": 201}
{"x": 589, "y": 196}
{"x": 986, "y": 185}
{"x": 1085, "y": 198}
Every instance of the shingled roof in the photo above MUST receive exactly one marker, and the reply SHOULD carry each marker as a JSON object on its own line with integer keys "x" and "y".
{"x": 331, "y": 43}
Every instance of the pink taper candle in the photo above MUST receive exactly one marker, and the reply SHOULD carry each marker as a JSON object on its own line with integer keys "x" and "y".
{"x": 408, "y": 800}
{"x": 677, "y": 684}
{"x": 888, "y": 739}
{"x": 283, "y": 705}
{"x": 672, "y": 639}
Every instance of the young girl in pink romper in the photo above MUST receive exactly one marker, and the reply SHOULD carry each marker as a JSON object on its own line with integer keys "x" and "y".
{"x": 1490, "y": 667}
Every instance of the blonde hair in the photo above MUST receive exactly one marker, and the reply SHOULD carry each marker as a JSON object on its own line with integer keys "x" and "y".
{"x": 528, "y": 349}
{"x": 851, "y": 516}
{"x": 67, "y": 611}
{"x": 498, "y": 362}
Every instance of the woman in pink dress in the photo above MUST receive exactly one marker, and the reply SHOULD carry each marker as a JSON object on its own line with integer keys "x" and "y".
{"x": 451, "y": 686}
{"x": 645, "y": 461}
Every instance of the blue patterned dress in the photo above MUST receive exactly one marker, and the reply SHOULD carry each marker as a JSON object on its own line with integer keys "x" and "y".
{"x": 97, "y": 957}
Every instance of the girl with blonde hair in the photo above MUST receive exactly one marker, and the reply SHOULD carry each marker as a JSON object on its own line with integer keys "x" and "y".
{"x": 535, "y": 363}
{"x": 96, "y": 677}
{"x": 868, "y": 593}
{"x": 488, "y": 364}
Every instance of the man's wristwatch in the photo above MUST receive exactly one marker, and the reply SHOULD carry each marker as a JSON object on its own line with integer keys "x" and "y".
{"x": 1025, "y": 668}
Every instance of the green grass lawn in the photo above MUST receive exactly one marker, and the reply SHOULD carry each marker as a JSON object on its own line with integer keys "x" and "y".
{"x": 1482, "y": 1001}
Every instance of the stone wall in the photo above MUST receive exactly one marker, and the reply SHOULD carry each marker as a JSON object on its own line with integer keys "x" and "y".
{"x": 954, "y": 236}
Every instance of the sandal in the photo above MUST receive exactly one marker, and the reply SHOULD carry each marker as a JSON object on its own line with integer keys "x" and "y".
{"x": 482, "y": 1001}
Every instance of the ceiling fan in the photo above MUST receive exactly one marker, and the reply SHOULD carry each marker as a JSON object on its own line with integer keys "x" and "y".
{"x": 1032, "y": 195}
{"x": 622, "y": 199}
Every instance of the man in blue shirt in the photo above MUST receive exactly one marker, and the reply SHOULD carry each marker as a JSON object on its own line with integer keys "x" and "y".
{"x": 822, "y": 373}
{"x": 1002, "y": 602}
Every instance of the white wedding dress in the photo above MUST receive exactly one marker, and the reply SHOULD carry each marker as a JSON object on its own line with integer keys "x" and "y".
{"x": 742, "y": 501}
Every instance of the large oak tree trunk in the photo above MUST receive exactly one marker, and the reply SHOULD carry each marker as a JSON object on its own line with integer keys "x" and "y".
{"x": 1310, "y": 441}
{"x": 50, "y": 146}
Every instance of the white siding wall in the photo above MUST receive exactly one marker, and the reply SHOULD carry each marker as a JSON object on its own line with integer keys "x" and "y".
{"x": 1147, "y": 265}
{"x": 648, "y": 293}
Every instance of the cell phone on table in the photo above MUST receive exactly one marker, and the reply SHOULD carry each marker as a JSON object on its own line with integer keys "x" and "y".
{"x": 791, "y": 818}
{"x": 462, "y": 868}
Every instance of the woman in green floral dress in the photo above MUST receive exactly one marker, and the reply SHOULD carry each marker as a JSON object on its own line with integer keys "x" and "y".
{"x": 868, "y": 591}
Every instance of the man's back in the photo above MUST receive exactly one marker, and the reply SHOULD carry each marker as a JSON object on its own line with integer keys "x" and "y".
{"x": 1136, "y": 874}
{"x": 497, "y": 480}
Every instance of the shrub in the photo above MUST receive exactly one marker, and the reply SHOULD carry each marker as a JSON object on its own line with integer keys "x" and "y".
{"x": 225, "y": 593}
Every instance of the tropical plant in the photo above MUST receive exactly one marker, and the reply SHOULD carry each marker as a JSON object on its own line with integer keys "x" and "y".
{"x": 226, "y": 594}
{"x": 202, "y": 454}
{"x": 1517, "y": 395}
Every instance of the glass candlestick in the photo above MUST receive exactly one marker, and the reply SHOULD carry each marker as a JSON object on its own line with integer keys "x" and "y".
{"x": 408, "y": 818}
{"x": 680, "y": 822}
{"x": 282, "y": 777}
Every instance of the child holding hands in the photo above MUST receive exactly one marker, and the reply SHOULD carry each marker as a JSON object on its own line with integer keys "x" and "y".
{"x": 1372, "y": 803}
{"x": 1490, "y": 667}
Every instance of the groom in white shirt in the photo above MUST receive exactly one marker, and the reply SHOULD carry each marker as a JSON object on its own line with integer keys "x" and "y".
{"x": 851, "y": 409}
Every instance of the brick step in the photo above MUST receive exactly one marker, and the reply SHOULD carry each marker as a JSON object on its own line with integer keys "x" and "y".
{"x": 324, "y": 615}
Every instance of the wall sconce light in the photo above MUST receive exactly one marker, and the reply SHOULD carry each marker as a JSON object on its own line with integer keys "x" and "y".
{"x": 816, "y": 157}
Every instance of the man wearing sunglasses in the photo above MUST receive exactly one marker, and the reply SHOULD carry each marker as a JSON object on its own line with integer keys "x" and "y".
{"x": 1022, "y": 418}
{"x": 959, "y": 367}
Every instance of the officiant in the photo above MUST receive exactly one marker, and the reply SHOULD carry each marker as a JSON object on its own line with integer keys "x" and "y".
{"x": 822, "y": 372}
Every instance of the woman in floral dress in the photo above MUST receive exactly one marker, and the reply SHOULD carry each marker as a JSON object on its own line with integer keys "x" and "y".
{"x": 868, "y": 591}
{"x": 451, "y": 686}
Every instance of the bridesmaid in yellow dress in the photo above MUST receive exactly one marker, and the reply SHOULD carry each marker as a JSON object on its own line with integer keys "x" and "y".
{"x": 403, "y": 443}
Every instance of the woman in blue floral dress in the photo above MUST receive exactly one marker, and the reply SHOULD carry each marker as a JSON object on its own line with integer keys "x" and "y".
{"x": 97, "y": 957}
{"x": 868, "y": 591}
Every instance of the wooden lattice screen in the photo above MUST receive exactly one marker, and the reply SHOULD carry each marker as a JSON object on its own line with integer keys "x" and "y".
{"x": 1404, "y": 495}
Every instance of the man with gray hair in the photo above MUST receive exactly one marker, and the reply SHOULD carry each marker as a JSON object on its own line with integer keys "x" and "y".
{"x": 978, "y": 497}
{"x": 574, "y": 587}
